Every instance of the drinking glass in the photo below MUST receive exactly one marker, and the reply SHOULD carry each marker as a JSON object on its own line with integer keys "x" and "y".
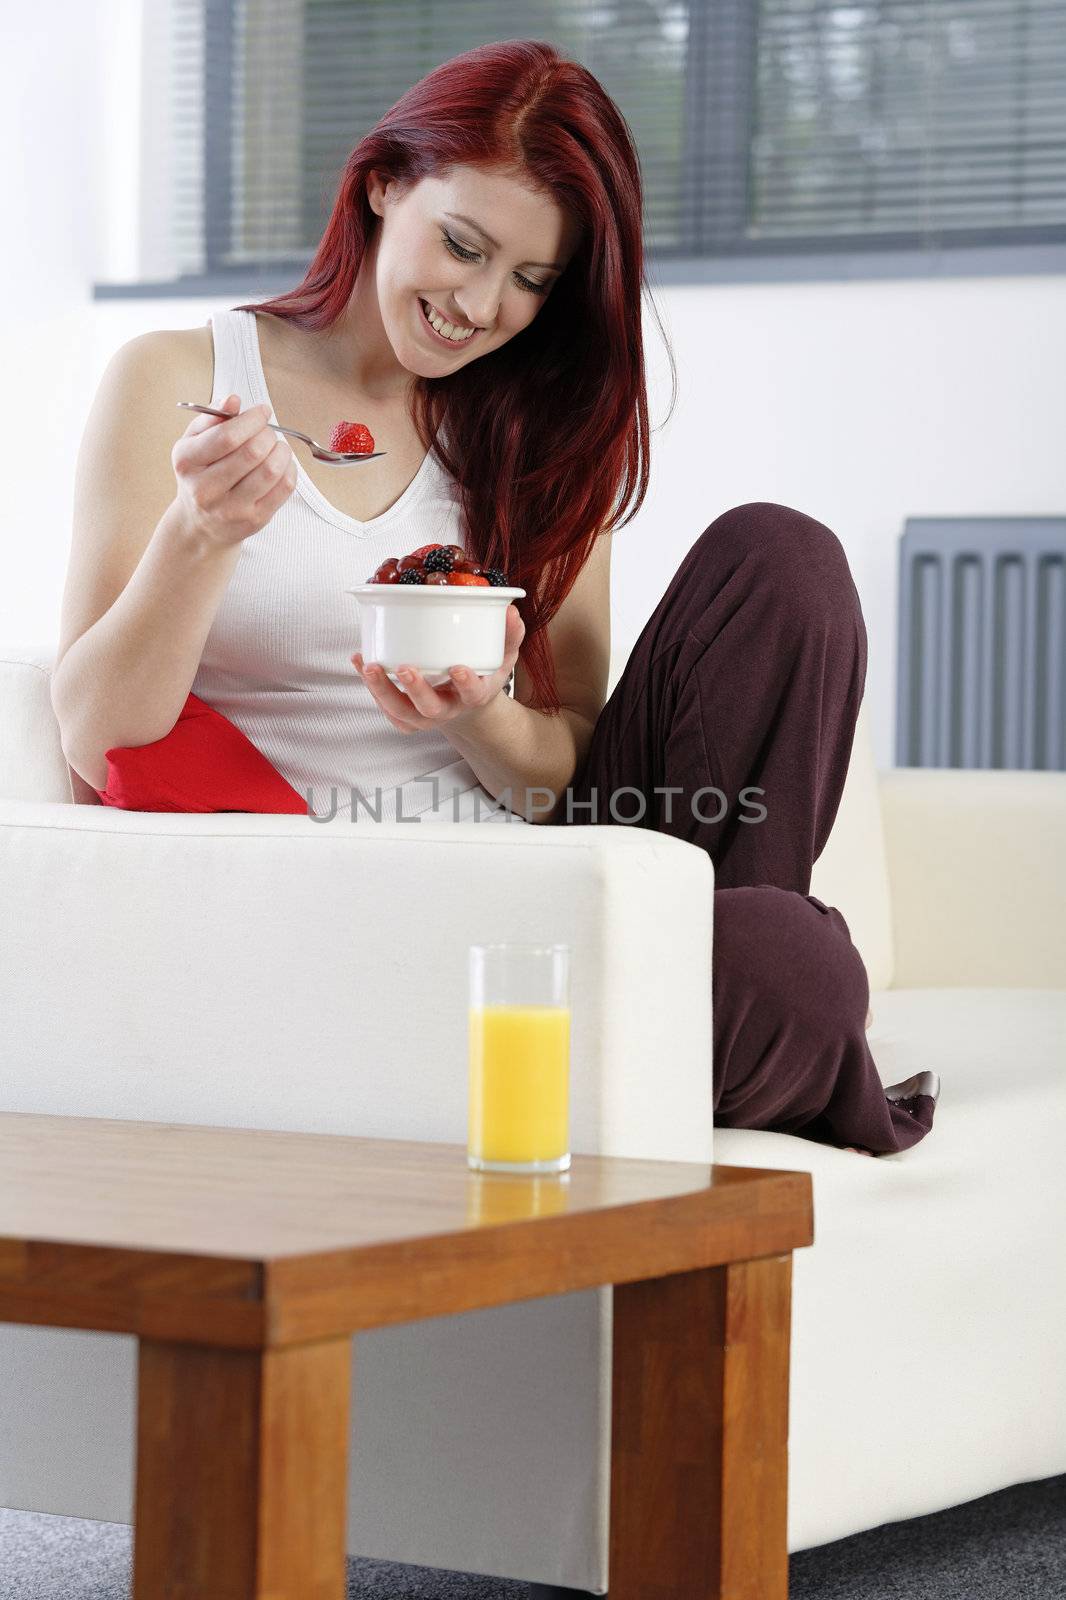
{"x": 519, "y": 1108}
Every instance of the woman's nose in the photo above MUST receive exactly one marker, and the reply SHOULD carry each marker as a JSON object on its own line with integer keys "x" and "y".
{"x": 481, "y": 309}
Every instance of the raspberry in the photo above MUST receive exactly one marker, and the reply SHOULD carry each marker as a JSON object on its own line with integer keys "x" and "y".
{"x": 467, "y": 578}
{"x": 351, "y": 438}
{"x": 497, "y": 578}
{"x": 412, "y": 575}
{"x": 439, "y": 560}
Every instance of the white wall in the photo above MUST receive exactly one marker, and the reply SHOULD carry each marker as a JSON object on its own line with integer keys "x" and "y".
{"x": 860, "y": 403}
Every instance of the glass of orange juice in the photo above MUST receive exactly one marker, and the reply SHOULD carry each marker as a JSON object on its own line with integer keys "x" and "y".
{"x": 519, "y": 1104}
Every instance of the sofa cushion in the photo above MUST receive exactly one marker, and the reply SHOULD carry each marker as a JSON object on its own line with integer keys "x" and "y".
{"x": 955, "y": 1387}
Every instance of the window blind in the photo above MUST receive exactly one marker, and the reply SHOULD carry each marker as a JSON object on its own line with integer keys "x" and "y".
{"x": 764, "y": 127}
{"x": 269, "y": 96}
{"x": 909, "y": 121}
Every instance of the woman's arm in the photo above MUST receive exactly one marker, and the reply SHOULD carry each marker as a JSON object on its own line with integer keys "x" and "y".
{"x": 511, "y": 746}
{"x": 508, "y": 743}
{"x": 141, "y": 589}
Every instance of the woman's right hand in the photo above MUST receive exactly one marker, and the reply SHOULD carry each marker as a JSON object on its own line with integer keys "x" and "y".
{"x": 232, "y": 475}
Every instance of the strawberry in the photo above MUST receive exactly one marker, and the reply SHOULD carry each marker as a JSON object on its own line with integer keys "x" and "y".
{"x": 353, "y": 438}
{"x": 424, "y": 549}
{"x": 468, "y": 578}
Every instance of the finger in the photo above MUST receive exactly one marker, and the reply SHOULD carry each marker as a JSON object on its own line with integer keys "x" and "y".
{"x": 516, "y": 632}
{"x": 276, "y": 497}
{"x": 254, "y": 466}
{"x": 270, "y": 468}
{"x": 425, "y": 699}
{"x": 467, "y": 685}
{"x": 385, "y": 692}
{"x": 212, "y": 444}
{"x": 516, "y": 628}
{"x": 200, "y": 421}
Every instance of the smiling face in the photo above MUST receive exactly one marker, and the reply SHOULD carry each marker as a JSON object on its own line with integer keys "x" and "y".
{"x": 435, "y": 264}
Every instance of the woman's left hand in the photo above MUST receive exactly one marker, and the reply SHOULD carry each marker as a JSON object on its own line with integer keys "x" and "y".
{"x": 416, "y": 705}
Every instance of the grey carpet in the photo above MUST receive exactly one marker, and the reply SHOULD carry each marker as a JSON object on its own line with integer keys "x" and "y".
{"x": 1005, "y": 1546}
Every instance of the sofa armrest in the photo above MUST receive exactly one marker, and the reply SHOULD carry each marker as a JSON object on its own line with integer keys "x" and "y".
{"x": 277, "y": 972}
{"x": 977, "y": 868}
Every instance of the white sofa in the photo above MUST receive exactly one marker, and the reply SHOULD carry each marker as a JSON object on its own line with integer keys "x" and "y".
{"x": 275, "y": 972}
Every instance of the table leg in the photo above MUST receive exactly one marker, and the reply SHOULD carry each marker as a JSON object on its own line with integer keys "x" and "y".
{"x": 699, "y": 1450}
{"x": 242, "y": 1459}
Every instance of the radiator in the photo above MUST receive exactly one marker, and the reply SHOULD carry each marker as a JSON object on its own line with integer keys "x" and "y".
{"x": 982, "y": 643}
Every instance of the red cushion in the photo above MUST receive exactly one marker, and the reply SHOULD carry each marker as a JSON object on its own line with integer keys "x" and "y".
{"x": 203, "y": 764}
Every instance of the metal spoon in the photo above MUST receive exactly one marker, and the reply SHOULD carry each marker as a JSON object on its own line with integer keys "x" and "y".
{"x": 319, "y": 451}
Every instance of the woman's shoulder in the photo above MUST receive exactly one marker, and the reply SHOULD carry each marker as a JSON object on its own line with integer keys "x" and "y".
{"x": 178, "y": 354}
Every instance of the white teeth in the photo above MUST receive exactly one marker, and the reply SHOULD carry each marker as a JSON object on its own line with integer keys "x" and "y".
{"x": 448, "y": 329}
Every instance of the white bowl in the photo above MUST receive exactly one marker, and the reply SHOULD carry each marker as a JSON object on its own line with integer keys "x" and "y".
{"x": 434, "y": 627}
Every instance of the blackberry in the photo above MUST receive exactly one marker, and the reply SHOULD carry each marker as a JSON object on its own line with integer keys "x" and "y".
{"x": 497, "y": 578}
{"x": 440, "y": 560}
{"x": 412, "y": 575}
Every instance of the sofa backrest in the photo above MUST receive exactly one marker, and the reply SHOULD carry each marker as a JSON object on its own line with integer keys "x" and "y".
{"x": 32, "y": 763}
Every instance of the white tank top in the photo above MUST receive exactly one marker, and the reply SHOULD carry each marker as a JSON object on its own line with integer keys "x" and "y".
{"x": 276, "y": 661}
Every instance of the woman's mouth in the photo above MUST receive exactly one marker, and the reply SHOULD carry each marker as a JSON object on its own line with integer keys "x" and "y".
{"x": 440, "y": 338}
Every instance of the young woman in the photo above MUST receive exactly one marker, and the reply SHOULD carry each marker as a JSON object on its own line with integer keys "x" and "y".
{"x": 476, "y": 300}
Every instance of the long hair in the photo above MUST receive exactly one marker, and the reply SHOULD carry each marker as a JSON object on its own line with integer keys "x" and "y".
{"x": 546, "y": 436}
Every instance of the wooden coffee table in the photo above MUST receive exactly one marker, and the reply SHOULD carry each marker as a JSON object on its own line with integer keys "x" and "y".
{"x": 244, "y": 1261}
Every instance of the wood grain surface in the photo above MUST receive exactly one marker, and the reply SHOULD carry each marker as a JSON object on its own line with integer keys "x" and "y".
{"x": 249, "y": 1238}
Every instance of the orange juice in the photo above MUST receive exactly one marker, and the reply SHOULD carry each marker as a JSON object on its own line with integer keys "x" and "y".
{"x": 519, "y": 1083}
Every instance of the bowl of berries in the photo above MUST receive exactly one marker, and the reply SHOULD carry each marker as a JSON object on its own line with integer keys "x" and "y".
{"x": 434, "y": 609}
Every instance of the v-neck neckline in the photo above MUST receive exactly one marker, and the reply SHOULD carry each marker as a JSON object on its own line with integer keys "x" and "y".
{"x": 305, "y": 484}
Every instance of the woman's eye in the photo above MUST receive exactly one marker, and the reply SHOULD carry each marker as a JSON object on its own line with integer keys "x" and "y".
{"x": 471, "y": 255}
{"x": 457, "y": 250}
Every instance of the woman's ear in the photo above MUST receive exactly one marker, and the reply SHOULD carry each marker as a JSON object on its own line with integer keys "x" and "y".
{"x": 383, "y": 189}
{"x": 376, "y": 184}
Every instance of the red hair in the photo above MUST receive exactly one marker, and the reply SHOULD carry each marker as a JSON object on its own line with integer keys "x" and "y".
{"x": 546, "y": 436}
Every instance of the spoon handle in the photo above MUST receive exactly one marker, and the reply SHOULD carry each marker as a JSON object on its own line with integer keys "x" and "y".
{"x": 213, "y": 411}
{"x": 293, "y": 432}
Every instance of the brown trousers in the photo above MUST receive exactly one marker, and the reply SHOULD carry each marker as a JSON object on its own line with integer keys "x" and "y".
{"x": 745, "y": 684}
